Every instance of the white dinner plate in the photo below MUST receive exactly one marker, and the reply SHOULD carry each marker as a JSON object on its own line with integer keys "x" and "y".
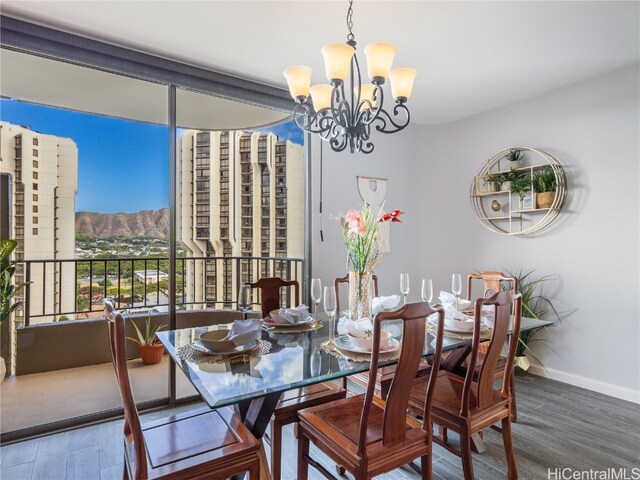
{"x": 434, "y": 322}
{"x": 343, "y": 342}
{"x": 308, "y": 321}
{"x": 197, "y": 345}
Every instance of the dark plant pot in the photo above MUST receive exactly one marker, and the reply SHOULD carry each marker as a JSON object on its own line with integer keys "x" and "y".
{"x": 151, "y": 354}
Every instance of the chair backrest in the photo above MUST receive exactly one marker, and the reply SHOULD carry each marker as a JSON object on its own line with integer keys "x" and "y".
{"x": 492, "y": 283}
{"x": 345, "y": 279}
{"x": 132, "y": 427}
{"x": 503, "y": 302}
{"x": 413, "y": 316}
{"x": 270, "y": 293}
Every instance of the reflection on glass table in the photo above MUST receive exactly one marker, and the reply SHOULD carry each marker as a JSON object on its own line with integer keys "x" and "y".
{"x": 294, "y": 360}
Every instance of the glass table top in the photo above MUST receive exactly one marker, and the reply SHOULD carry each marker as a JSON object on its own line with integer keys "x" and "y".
{"x": 294, "y": 360}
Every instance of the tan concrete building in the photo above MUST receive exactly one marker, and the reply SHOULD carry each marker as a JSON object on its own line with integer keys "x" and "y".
{"x": 42, "y": 173}
{"x": 240, "y": 194}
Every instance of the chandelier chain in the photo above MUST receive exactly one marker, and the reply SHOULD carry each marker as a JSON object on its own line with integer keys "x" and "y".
{"x": 350, "y": 35}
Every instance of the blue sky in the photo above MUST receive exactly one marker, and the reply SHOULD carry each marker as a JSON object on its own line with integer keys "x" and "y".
{"x": 122, "y": 164}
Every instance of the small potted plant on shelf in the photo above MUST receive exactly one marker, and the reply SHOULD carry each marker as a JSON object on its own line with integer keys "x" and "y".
{"x": 151, "y": 350}
{"x": 545, "y": 184}
{"x": 514, "y": 155}
{"x": 521, "y": 184}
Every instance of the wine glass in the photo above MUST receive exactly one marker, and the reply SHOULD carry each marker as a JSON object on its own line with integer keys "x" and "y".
{"x": 244, "y": 298}
{"x": 404, "y": 285}
{"x": 316, "y": 295}
{"x": 456, "y": 286}
{"x": 330, "y": 309}
{"x": 427, "y": 290}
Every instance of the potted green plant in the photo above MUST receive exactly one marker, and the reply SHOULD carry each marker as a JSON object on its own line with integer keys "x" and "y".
{"x": 534, "y": 305}
{"x": 521, "y": 184}
{"x": 8, "y": 290}
{"x": 151, "y": 350}
{"x": 515, "y": 155}
{"x": 545, "y": 184}
{"x": 507, "y": 179}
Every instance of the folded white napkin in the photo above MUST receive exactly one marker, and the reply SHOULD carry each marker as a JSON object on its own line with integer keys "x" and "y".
{"x": 294, "y": 315}
{"x": 447, "y": 298}
{"x": 244, "y": 331}
{"x": 378, "y": 304}
{"x": 361, "y": 328}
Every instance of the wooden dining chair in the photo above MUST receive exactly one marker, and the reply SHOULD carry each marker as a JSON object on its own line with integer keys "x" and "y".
{"x": 470, "y": 404}
{"x": 270, "y": 293}
{"x": 492, "y": 283}
{"x": 369, "y": 436}
{"x": 200, "y": 444}
{"x": 360, "y": 378}
{"x": 292, "y": 401}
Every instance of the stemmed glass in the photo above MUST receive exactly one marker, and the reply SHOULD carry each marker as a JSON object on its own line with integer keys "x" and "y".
{"x": 316, "y": 295}
{"x": 330, "y": 309}
{"x": 404, "y": 285}
{"x": 456, "y": 286}
{"x": 244, "y": 299}
{"x": 427, "y": 290}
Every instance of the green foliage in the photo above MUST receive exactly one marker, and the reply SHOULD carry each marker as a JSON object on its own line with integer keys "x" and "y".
{"x": 535, "y": 304}
{"x": 521, "y": 185}
{"x": 149, "y": 335}
{"x": 515, "y": 155}
{"x": 62, "y": 318}
{"x": 7, "y": 289}
{"x": 102, "y": 283}
{"x": 544, "y": 180}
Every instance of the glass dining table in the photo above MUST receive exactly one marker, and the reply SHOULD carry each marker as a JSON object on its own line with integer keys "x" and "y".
{"x": 293, "y": 360}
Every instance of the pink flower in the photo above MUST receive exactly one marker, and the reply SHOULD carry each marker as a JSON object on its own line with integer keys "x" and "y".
{"x": 355, "y": 222}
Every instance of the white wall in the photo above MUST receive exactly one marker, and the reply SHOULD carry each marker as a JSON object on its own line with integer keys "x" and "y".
{"x": 392, "y": 155}
{"x": 592, "y": 128}
{"x": 593, "y": 247}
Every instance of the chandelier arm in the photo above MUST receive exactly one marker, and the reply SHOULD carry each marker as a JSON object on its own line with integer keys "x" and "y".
{"x": 384, "y": 117}
{"x": 338, "y": 145}
{"x": 308, "y": 120}
{"x": 378, "y": 97}
{"x": 356, "y": 89}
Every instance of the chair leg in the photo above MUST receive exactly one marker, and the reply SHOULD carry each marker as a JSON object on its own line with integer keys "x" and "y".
{"x": 512, "y": 469}
{"x": 442, "y": 434}
{"x": 303, "y": 453}
{"x": 512, "y": 400}
{"x": 425, "y": 464}
{"x": 276, "y": 450}
{"x": 344, "y": 382}
{"x": 125, "y": 472}
{"x": 465, "y": 450}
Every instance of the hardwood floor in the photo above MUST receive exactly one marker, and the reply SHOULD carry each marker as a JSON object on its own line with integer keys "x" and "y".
{"x": 559, "y": 426}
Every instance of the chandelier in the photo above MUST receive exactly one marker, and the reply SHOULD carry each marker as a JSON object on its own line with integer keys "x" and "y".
{"x": 343, "y": 114}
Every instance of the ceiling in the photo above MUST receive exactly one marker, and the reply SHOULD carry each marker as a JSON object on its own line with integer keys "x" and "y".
{"x": 471, "y": 56}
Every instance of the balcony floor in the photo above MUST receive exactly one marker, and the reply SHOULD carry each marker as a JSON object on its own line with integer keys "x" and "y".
{"x": 559, "y": 426}
{"x": 40, "y": 398}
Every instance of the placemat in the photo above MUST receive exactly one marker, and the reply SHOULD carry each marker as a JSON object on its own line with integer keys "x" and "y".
{"x": 359, "y": 357}
{"x": 190, "y": 354}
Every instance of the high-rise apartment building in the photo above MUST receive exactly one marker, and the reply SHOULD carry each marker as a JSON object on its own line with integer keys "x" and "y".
{"x": 41, "y": 176}
{"x": 240, "y": 194}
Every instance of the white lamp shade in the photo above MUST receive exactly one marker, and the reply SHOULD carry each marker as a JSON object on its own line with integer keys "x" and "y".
{"x": 299, "y": 80}
{"x": 337, "y": 60}
{"x": 321, "y": 96}
{"x": 402, "y": 82}
{"x": 379, "y": 59}
{"x": 366, "y": 93}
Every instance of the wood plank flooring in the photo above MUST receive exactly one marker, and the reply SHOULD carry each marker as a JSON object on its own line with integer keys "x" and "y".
{"x": 559, "y": 426}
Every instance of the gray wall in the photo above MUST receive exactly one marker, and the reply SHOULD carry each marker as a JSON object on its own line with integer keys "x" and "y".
{"x": 592, "y": 128}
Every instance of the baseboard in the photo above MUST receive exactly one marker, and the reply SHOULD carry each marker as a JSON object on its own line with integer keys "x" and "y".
{"x": 588, "y": 383}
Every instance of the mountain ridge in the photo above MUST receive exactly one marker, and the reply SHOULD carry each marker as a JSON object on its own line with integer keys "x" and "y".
{"x": 144, "y": 223}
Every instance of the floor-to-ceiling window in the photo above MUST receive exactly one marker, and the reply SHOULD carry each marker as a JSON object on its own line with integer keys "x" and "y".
{"x": 86, "y": 170}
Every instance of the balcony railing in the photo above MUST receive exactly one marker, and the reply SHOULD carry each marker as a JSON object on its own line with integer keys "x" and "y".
{"x": 75, "y": 288}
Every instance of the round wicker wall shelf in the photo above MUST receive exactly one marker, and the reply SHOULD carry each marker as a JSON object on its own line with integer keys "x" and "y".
{"x": 503, "y": 194}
